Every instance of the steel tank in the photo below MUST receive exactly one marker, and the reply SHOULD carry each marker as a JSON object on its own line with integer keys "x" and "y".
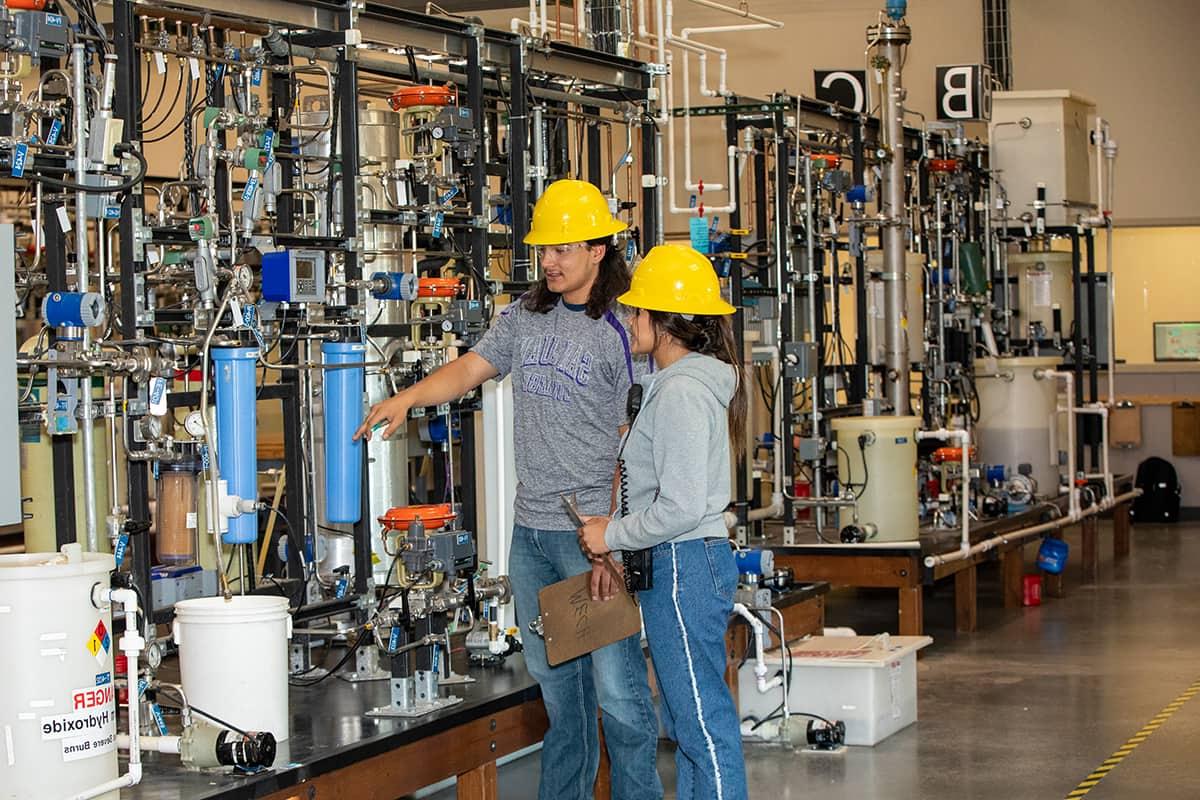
{"x": 877, "y": 458}
{"x": 58, "y": 710}
{"x": 380, "y": 148}
{"x": 1017, "y": 418}
{"x": 914, "y": 269}
{"x": 1043, "y": 284}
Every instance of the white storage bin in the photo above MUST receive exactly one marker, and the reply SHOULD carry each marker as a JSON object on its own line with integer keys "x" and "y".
{"x": 869, "y": 683}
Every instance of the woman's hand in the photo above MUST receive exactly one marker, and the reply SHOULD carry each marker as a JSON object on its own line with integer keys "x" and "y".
{"x": 591, "y": 537}
{"x": 391, "y": 413}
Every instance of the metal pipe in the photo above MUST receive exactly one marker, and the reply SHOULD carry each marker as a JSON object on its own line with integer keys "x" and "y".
{"x": 964, "y": 441}
{"x": 889, "y": 38}
{"x": 79, "y": 93}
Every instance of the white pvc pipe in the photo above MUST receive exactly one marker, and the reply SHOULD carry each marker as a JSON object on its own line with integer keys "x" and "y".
{"x": 739, "y": 12}
{"x": 151, "y": 744}
{"x": 1025, "y": 533}
{"x": 964, "y": 440}
{"x": 131, "y": 644}
{"x": 1069, "y": 379}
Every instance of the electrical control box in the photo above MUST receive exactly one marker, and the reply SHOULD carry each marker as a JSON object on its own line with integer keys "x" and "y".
{"x": 294, "y": 276}
{"x": 42, "y": 35}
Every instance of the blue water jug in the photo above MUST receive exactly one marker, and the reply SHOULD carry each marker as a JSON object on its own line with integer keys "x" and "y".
{"x": 1052, "y": 556}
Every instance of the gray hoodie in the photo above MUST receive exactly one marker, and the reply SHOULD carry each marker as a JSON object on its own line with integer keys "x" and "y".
{"x": 676, "y": 456}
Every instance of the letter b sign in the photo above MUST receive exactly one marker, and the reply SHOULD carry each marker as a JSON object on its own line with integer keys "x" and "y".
{"x": 964, "y": 92}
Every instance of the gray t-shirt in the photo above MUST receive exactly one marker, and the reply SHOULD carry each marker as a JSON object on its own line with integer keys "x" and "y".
{"x": 571, "y": 375}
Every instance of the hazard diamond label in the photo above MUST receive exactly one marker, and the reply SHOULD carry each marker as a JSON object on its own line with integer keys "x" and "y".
{"x": 99, "y": 642}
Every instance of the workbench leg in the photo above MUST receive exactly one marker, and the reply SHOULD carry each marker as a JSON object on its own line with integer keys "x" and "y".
{"x": 1121, "y": 526}
{"x": 912, "y": 611}
{"x": 1090, "y": 551}
{"x": 1055, "y": 586}
{"x": 603, "y": 788}
{"x": 1012, "y": 572}
{"x": 966, "y": 607}
{"x": 479, "y": 783}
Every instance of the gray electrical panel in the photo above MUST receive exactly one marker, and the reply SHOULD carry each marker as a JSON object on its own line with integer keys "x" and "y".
{"x": 10, "y": 448}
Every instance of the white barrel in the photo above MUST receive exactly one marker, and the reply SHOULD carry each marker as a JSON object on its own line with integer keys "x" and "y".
{"x": 233, "y": 659}
{"x": 1043, "y": 284}
{"x": 886, "y": 462}
{"x": 1016, "y": 418}
{"x": 58, "y": 712}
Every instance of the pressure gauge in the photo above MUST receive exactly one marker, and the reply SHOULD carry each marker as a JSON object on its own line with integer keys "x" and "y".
{"x": 154, "y": 656}
{"x": 437, "y": 132}
{"x": 243, "y": 277}
{"x": 194, "y": 425}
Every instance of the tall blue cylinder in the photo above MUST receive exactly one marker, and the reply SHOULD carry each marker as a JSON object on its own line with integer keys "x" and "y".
{"x": 237, "y": 434}
{"x": 343, "y": 415}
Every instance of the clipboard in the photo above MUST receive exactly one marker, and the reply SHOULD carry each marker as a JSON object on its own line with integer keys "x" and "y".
{"x": 574, "y": 625}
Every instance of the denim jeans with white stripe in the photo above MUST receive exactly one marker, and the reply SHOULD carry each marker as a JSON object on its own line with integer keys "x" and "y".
{"x": 613, "y": 678}
{"x": 686, "y": 615}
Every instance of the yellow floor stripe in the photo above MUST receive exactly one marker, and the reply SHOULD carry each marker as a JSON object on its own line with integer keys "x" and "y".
{"x": 1113, "y": 761}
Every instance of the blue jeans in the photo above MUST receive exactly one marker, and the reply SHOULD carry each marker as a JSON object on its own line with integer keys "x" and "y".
{"x": 686, "y": 615}
{"x": 614, "y": 677}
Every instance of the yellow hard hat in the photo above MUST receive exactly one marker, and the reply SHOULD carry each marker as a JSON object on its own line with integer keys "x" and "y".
{"x": 676, "y": 279}
{"x": 571, "y": 211}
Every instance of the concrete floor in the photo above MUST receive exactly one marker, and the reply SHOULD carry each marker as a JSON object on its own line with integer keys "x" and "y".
{"x": 1027, "y": 707}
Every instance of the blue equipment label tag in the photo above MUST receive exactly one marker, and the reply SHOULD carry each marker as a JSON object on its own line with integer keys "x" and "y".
{"x": 630, "y": 249}
{"x": 394, "y": 639}
{"x": 119, "y": 550}
{"x": 20, "y": 158}
{"x": 256, "y": 76}
{"x": 158, "y": 719}
{"x": 268, "y": 146}
{"x": 437, "y": 657}
{"x": 142, "y": 684}
{"x": 112, "y": 212}
{"x": 103, "y": 678}
{"x": 251, "y": 188}
{"x": 438, "y": 219}
{"x": 54, "y": 132}
{"x": 55, "y": 20}
{"x": 448, "y": 196}
{"x": 340, "y": 591}
{"x": 204, "y": 457}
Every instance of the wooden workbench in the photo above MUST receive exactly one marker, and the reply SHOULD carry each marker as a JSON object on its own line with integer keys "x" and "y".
{"x": 336, "y": 752}
{"x": 900, "y": 565}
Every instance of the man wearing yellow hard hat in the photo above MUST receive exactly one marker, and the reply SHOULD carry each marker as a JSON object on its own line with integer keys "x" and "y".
{"x": 674, "y": 462}
{"x": 569, "y": 356}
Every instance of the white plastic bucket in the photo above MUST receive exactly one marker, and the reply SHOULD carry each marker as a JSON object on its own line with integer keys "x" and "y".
{"x": 233, "y": 659}
{"x": 58, "y": 716}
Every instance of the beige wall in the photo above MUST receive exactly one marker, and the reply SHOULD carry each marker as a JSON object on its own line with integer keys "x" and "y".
{"x": 1138, "y": 62}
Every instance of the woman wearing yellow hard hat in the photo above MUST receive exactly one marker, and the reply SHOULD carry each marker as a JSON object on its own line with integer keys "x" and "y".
{"x": 675, "y": 487}
{"x": 568, "y": 353}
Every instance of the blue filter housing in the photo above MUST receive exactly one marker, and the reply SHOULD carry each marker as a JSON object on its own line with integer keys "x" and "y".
{"x": 237, "y": 433}
{"x": 343, "y": 415}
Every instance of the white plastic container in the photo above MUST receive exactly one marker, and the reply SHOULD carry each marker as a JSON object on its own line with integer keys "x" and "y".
{"x": 1017, "y": 422}
{"x": 233, "y": 659}
{"x": 58, "y": 712}
{"x": 869, "y": 683}
{"x": 887, "y": 464}
{"x": 1043, "y": 284}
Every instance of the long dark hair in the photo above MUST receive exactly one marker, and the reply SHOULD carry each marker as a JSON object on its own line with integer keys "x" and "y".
{"x": 611, "y": 281}
{"x": 711, "y": 335}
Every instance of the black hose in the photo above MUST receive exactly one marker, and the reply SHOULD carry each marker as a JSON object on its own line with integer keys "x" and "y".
{"x": 122, "y": 149}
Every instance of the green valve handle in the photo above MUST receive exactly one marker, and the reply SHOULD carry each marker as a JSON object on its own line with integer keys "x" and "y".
{"x": 210, "y": 115}
{"x": 254, "y": 158}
